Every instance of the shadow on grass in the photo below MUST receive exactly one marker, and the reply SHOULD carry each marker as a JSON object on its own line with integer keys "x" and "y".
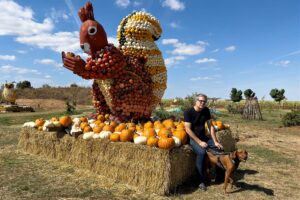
{"x": 242, "y": 186}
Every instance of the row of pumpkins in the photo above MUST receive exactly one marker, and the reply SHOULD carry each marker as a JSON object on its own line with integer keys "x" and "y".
{"x": 165, "y": 135}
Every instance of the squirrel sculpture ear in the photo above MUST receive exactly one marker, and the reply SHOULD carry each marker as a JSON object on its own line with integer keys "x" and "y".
{"x": 86, "y": 12}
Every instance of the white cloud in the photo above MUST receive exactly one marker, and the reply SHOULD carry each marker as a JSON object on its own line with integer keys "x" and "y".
{"x": 215, "y": 50}
{"x": 173, "y": 4}
{"x": 123, "y": 3}
{"x": 181, "y": 48}
{"x": 169, "y": 41}
{"x": 188, "y": 49}
{"x": 56, "y": 15}
{"x": 201, "y": 78}
{"x": 174, "y": 25}
{"x": 206, "y": 60}
{"x": 18, "y": 20}
{"x": 47, "y": 76}
{"x": 282, "y": 63}
{"x": 173, "y": 60}
{"x": 8, "y": 69}
{"x": 203, "y": 43}
{"x": 230, "y": 48}
{"x": 48, "y": 62}
{"x": 7, "y": 57}
{"x": 137, "y": 3}
{"x": 61, "y": 41}
{"x": 22, "y": 51}
{"x": 113, "y": 40}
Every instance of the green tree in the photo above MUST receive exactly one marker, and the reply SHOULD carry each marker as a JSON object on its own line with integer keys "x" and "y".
{"x": 74, "y": 85}
{"x": 249, "y": 94}
{"x": 46, "y": 86}
{"x": 277, "y": 95}
{"x": 236, "y": 95}
{"x": 23, "y": 84}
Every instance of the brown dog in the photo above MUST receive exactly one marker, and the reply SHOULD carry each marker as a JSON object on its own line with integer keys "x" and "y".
{"x": 229, "y": 162}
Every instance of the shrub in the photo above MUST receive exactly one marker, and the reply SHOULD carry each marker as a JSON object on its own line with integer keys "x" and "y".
{"x": 291, "y": 119}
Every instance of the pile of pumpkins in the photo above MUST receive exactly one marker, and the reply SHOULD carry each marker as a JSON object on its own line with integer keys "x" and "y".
{"x": 165, "y": 134}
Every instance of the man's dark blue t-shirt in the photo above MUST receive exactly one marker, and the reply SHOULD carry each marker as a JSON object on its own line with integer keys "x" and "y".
{"x": 197, "y": 120}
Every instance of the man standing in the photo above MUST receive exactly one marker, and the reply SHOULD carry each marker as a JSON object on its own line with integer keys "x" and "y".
{"x": 195, "y": 119}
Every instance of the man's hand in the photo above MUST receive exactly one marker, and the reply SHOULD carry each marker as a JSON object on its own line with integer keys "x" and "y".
{"x": 203, "y": 144}
{"x": 217, "y": 144}
{"x": 73, "y": 63}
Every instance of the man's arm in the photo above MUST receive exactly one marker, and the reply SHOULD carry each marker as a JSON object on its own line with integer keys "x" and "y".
{"x": 214, "y": 137}
{"x": 189, "y": 131}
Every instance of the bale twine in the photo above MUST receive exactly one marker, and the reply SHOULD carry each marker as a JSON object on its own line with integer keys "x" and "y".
{"x": 143, "y": 167}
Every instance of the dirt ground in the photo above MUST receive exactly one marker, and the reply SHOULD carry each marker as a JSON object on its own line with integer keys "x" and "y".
{"x": 271, "y": 172}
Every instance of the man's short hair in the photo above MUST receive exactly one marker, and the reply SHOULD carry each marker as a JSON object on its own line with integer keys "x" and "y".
{"x": 200, "y": 95}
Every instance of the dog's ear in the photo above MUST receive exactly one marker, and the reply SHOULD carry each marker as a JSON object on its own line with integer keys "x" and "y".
{"x": 234, "y": 155}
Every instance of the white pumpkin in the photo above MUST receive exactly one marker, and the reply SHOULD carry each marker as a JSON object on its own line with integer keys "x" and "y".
{"x": 56, "y": 124}
{"x": 29, "y": 124}
{"x": 88, "y": 135}
{"x": 140, "y": 133}
{"x": 96, "y": 135}
{"x": 140, "y": 140}
{"x": 91, "y": 121}
{"x": 47, "y": 124}
{"x": 105, "y": 134}
{"x": 75, "y": 129}
{"x": 76, "y": 121}
{"x": 118, "y": 132}
{"x": 156, "y": 130}
{"x": 177, "y": 141}
{"x": 93, "y": 125}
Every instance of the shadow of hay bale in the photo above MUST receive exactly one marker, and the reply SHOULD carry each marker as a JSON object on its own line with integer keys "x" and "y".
{"x": 142, "y": 167}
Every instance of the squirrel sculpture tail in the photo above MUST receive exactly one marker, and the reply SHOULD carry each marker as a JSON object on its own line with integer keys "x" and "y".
{"x": 137, "y": 34}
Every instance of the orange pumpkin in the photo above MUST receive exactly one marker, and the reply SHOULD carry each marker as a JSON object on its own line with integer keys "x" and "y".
{"x": 135, "y": 135}
{"x": 83, "y": 119}
{"x": 181, "y": 135}
{"x": 115, "y": 137}
{"x": 120, "y": 127}
{"x": 87, "y": 129}
{"x": 39, "y": 122}
{"x": 113, "y": 123}
{"x": 83, "y": 124}
{"x": 148, "y": 125}
{"x": 157, "y": 122}
{"x": 152, "y": 142}
{"x": 149, "y": 132}
{"x": 108, "y": 128}
{"x": 101, "y": 118}
{"x": 97, "y": 129}
{"x": 180, "y": 126}
{"x": 159, "y": 126}
{"x": 168, "y": 123}
{"x": 220, "y": 125}
{"x": 126, "y": 135}
{"x": 65, "y": 121}
{"x": 132, "y": 128}
{"x": 164, "y": 132}
{"x": 166, "y": 143}
{"x": 130, "y": 124}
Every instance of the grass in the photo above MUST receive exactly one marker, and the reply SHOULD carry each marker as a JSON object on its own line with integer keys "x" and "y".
{"x": 19, "y": 118}
{"x": 269, "y": 173}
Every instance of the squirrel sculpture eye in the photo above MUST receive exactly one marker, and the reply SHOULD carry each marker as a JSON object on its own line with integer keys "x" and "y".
{"x": 92, "y": 30}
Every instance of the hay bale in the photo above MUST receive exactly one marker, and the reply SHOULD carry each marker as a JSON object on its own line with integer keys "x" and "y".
{"x": 227, "y": 140}
{"x": 144, "y": 168}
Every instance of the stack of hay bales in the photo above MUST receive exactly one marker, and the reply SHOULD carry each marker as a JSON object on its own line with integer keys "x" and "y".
{"x": 145, "y": 168}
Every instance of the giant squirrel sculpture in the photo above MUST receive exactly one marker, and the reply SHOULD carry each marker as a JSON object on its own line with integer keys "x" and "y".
{"x": 129, "y": 81}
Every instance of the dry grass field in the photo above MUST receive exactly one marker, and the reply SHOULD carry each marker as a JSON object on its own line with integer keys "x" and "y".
{"x": 271, "y": 172}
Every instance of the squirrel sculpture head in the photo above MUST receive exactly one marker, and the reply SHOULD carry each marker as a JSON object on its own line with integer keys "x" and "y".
{"x": 92, "y": 35}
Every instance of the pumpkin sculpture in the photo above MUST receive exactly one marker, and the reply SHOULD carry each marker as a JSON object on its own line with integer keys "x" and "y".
{"x": 128, "y": 82}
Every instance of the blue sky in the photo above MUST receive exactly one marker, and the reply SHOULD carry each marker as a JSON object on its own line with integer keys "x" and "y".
{"x": 209, "y": 46}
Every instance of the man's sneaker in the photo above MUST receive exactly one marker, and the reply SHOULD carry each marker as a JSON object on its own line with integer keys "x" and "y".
{"x": 202, "y": 187}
